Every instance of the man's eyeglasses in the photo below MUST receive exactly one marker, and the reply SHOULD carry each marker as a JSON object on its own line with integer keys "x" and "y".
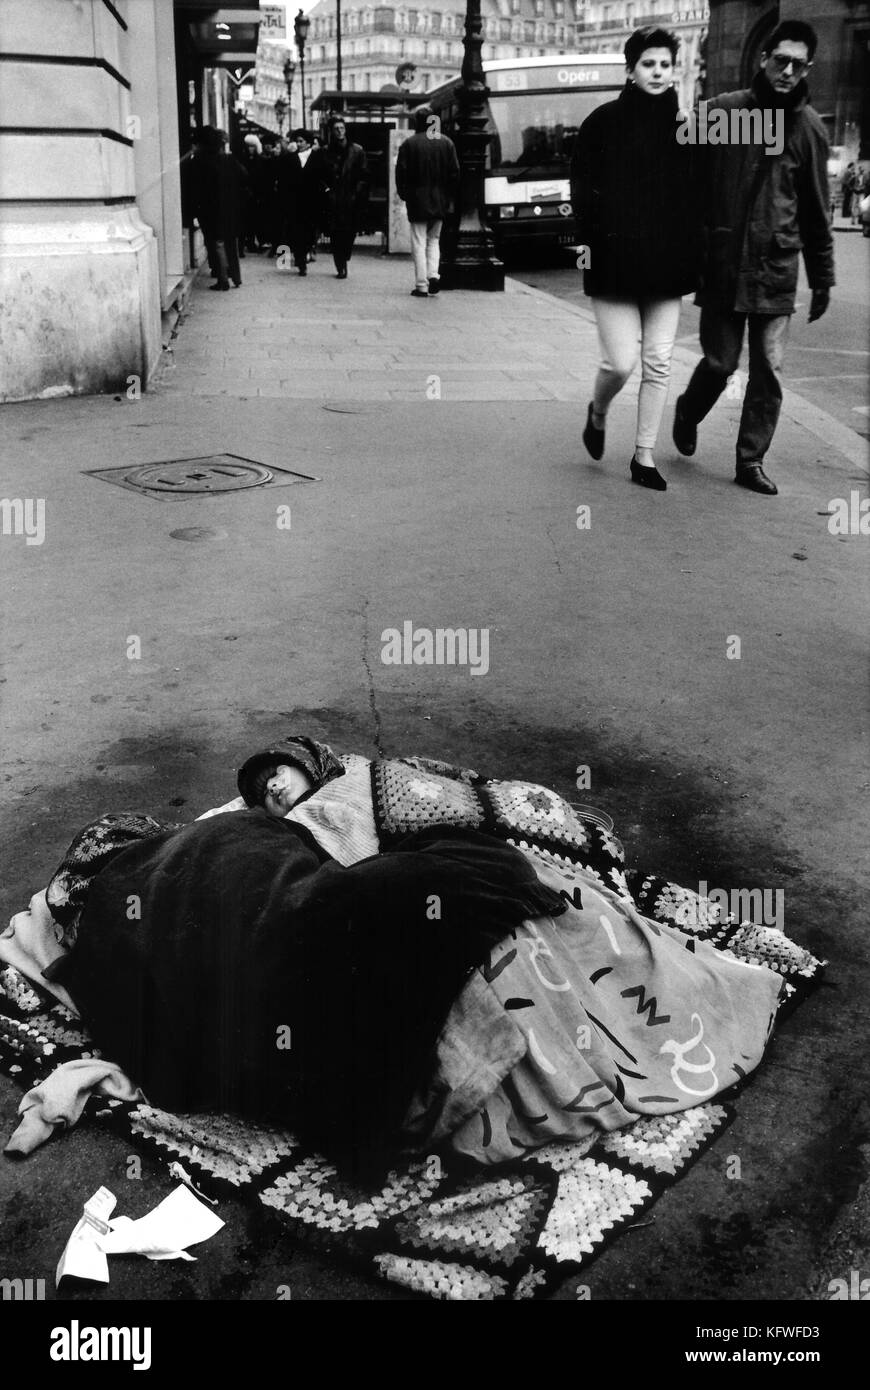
{"x": 782, "y": 62}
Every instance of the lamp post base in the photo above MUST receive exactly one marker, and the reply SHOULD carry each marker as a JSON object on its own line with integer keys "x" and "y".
{"x": 473, "y": 273}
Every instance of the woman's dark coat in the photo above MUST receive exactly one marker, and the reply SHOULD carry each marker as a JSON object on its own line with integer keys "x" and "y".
{"x": 635, "y": 199}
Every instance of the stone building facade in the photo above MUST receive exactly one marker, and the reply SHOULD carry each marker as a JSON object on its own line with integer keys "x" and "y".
{"x": 97, "y": 98}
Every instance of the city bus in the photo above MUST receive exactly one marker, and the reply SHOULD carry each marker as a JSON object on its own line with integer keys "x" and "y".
{"x": 535, "y": 108}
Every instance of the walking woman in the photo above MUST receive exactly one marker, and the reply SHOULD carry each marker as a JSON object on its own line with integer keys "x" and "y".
{"x": 633, "y": 191}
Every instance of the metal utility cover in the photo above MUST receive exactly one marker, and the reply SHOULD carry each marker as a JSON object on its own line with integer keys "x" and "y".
{"x": 195, "y": 477}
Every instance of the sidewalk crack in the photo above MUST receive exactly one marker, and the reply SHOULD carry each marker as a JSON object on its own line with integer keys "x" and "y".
{"x": 373, "y": 704}
{"x": 553, "y": 544}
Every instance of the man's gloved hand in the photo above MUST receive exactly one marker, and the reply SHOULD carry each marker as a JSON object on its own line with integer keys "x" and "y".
{"x": 818, "y": 304}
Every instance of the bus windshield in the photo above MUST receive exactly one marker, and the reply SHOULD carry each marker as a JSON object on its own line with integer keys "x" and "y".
{"x": 534, "y": 130}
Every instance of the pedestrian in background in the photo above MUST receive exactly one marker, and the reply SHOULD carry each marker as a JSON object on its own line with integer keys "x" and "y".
{"x": 859, "y": 188}
{"x": 634, "y": 199}
{"x": 427, "y": 177}
{"x": 299, "y": 193}
{"x": 346, "y": 186}
{"x": 252, "y": 156}
{"x": 218, "y": 193}
{"x": 847, "y": 189}
{"x": 760, "y": 209}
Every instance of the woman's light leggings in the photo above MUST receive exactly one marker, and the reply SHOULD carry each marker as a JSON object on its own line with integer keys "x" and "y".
{"x": 626, "y": 329}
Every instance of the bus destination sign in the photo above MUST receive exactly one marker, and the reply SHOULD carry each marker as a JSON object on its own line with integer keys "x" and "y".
{"x": 537, "y": 79}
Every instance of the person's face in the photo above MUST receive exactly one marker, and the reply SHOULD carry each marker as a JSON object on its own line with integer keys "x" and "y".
{"x": 36, "y": 914}
{"x": 654, "y": 70}
{"x": 284, "y": 789}
{"x": 339, "y": 132}
{"x": 301, "y": 145}
{"x": 785, "y": 67}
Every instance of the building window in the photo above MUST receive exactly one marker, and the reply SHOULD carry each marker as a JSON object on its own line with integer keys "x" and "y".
{"x": 436, "y": 24}
{"x": 539, "y": 9}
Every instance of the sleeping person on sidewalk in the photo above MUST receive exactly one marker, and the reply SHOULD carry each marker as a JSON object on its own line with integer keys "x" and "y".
{"x": 409, "y": 955}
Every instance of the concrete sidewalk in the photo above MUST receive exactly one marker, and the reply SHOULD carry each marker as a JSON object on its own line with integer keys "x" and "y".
{"x": 446, "y": 440}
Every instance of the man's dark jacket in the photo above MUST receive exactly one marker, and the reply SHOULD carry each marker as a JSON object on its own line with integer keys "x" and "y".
{"x": 762, "y": 209}
{"x": 427, "y": 176}
{"x": 344, "y": 173}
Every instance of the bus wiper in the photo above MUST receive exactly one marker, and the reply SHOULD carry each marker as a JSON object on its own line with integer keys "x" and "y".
{"x": 524, "y": 173}
{"x": 549, "y": 169}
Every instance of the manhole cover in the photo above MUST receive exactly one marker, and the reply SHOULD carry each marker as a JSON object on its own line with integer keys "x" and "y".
{"x": 211, "y": 474}
{"x": 221, "y": 473}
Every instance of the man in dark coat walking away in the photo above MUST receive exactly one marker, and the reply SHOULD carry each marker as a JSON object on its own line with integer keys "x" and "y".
{"x": 346, "y": 178}
{"x": 427, "y": 177}
{"x": 763, "y": 206}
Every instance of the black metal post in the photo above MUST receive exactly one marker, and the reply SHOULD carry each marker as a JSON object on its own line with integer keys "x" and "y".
{"x": 301, "y": 25}
{"x": 289, "y": 70}
{"x": 473, "y": 265}
{"x": 338, "y": 45}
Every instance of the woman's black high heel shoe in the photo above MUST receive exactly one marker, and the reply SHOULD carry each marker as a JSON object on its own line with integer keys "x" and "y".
{"x": 593, "y": 438}
{"x": 647, "y": 477}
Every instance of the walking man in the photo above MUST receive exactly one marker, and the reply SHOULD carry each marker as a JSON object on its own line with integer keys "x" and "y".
{"x": 763, "y": 205}
{"x": 347, "y": 182}
{"x": 427, "y": 177}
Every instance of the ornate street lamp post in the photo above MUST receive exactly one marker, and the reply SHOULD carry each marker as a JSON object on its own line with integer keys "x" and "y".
{"x": 474, "y": 264}
{"x": 280, "y": 109}
{"x": 301, "y": 25}
{"x": 289, "y": 70}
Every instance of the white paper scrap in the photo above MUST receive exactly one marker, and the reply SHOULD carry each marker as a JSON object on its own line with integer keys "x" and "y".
{"x": 82, "y": 1257}
{"x": 180, "y": 1220}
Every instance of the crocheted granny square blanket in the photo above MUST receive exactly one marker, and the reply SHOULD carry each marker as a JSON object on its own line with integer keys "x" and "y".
{"x": 414, "y": 794}
{"x": 433, "y": 1226}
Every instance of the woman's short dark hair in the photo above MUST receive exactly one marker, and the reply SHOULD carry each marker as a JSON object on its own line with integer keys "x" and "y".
{"x": 650, "y": 37}
{"x": 793, "y": 31}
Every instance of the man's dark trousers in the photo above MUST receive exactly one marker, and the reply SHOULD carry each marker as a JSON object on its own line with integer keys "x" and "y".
{"x": 722, "y": 334}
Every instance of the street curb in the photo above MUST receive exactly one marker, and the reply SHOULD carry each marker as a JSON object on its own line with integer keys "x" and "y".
{"x": 797, "y": 408}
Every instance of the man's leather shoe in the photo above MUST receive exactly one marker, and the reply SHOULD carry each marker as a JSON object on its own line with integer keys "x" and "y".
{"x": 434, "y": 284}
{"x": 754, "y": 477}
{"x": 685, "y": 433}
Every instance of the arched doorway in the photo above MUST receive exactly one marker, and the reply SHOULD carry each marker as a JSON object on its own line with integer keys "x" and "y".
{"x": 754, "y": 44}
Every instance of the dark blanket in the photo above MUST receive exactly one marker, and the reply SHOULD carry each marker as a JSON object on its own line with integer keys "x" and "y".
{"x": 227, "y": 965}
